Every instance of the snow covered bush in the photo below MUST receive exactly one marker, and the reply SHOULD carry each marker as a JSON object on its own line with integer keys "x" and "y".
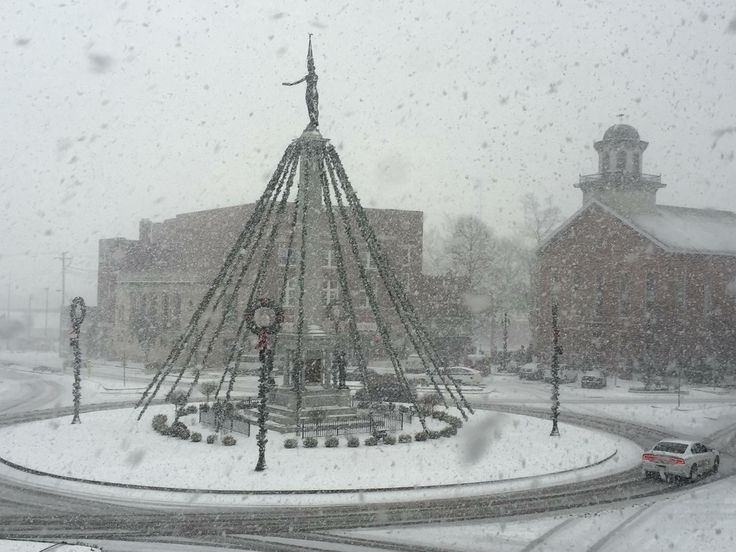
{"x": 433, "y": 434}
{"x": 449, "y": 431}
{"x": 204, "y": 407}
{"x": 180, "y": 430}
{"x": 310, "y": 442}
{"x": 420, "y": 436}
{"x": 159, "y": 422}
{"x": 404, "y": 438}
{"x": 211, "y": 439}
{"x": 353, "y": 441}
{"x": 332, "y": 442}
{"x": 370, "y": 442}
{"x": 291, "y": 443}
{"x": 196, "y": 437}
{"x": 228, "y": 440}
{"x": 389, "y": 440}
{"x": 442, "y": 416}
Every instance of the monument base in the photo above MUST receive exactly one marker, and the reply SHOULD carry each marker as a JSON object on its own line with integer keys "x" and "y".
{"x": 282, "y": 402}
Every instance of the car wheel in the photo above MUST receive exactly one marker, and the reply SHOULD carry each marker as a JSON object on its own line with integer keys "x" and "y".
{"x": 694, "y": 472}
{"x": 716, "y": 464}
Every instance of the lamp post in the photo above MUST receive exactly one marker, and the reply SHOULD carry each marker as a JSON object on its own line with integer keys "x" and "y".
{"x": 556, "y": 352}
{"x": 265, "y": 321}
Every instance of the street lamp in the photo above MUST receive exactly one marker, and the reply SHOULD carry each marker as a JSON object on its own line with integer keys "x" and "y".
{"x": 264, "y": 319}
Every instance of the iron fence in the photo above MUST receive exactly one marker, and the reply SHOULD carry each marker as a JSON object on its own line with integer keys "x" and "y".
{"x": 229, "y": 424}
{"x": 389, "y": 422}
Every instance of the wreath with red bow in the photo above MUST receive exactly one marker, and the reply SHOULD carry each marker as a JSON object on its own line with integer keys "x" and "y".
{"x": 264, "y": 331}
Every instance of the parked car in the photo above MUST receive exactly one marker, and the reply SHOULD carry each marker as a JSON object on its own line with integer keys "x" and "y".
{"x": 567, "y": 375}
{"x": 465, "y": 375}
{"x": 593, "y": 378}
{"x": 531, "y": 371}
{"x": 675, "y": 458}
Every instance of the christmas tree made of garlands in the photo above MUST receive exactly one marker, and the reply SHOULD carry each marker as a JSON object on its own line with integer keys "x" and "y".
{"x": 248, "y": 293}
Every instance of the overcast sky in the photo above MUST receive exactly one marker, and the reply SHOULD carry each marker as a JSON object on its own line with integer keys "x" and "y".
{"x": 113, "y": 114}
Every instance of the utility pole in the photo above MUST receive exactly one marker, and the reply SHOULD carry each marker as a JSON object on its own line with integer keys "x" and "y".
{"x": 46, "y": 316}
{"x": 65, "y": 260}
{"x": 504, "y": 360}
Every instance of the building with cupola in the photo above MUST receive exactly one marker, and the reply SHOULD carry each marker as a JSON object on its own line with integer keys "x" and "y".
{"x": 639, "y": 285}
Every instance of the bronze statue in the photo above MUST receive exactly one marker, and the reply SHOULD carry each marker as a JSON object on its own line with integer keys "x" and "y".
{"x": 311, "y": 95}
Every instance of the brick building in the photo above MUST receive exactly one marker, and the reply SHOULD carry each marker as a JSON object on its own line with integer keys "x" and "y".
{"x": 638, "y": 284}
{"x": 164, "y": 273}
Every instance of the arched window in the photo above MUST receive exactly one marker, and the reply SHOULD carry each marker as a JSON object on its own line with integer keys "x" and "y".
{"x": 636, "y": 162}
{"x": 621, "y": 161}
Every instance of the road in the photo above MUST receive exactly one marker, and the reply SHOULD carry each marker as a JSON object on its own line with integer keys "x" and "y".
{"x": 30, "y": 513}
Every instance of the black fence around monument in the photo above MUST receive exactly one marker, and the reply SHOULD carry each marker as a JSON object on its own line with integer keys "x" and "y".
{"x": 389, "y": 422}
{"x": 231, "y": 425}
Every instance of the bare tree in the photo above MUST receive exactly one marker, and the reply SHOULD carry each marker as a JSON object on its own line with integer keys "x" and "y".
{"x": 540, "y": 217}
{"x": 470, "y": 250}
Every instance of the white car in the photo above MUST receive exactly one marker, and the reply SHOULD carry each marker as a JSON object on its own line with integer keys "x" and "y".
{"x": 677, "y": 458}
{"x": 464, "y": 375}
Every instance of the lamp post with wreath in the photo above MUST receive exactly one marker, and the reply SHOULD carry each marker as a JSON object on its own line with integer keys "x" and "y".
{"x": 264, "y": 319}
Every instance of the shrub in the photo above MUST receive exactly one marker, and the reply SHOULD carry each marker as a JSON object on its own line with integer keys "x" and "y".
{"x": 179, "y": 429}
{"x": 389, "y": 440}
{"x": 449, "y": 431}
{"x": 404, "y": 438}
{"x": 291, "y": 443}
{"x": 370, "y": 442}
{"x": 165, "y": 431}
{"x": 310, "y": 442}
{"x": 332, "y": 442}
{"x": 159, "y": 422}
{"x": 196, "y": 437}
{"x": 353, "y": 441}
{"x": 204, "y": 407}
{"x": 191, "y": 409}
{"x": 211, "y": 439}
{"x": 421, "y": 436}
{"x": 448, "y": 419}
{"x": 427, "y": 403}
{"x": 433, "y": 434}
{"x": 228, "y": 440}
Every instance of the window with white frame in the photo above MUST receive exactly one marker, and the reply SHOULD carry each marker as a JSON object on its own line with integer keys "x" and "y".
{"x": 290, "y": 293}
{"x": 329, "y": 260}
{"x": 329, "y": 291}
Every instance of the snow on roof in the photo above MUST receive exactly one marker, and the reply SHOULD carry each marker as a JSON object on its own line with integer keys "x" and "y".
{"x": 684, "y": 229}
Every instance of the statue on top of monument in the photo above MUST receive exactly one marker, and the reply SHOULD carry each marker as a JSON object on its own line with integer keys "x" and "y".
{"x": 311, "y": 96}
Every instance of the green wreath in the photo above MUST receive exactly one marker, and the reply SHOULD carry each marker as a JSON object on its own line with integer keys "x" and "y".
{"x": 275, "y": 323}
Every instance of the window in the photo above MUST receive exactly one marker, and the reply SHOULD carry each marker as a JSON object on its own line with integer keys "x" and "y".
{"x": 165, "y": 309}
{"x": 624, "y": 296}
{"x": 636, "y": 162}
{"x": 290, "y": 294}
{"x": 707, "y": 299}
{"x": 329, "y": 291}
{"x": 176, "y": 319}
{"x": 621, "y": 161}
{"x": 598, "y": 305}
{"x": 361, "y": 300}
{"x": 329, "y": 259}
{"x": 284, "y": 254}
{"x": 681, "y": 294}
{"x": 369, "y": 262}
{"x": 409, "y": 254}
{"x": 650, "y": 293}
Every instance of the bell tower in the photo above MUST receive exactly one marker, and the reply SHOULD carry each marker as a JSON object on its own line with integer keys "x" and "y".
{"x": 620, "y": 182}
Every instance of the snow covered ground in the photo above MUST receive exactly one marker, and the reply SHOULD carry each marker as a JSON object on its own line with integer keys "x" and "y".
{"x": 112, "y": 446}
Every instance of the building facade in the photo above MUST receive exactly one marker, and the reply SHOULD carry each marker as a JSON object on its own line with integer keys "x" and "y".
{"x": 149, "y": 288}
{"x": 639, "y": 285}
